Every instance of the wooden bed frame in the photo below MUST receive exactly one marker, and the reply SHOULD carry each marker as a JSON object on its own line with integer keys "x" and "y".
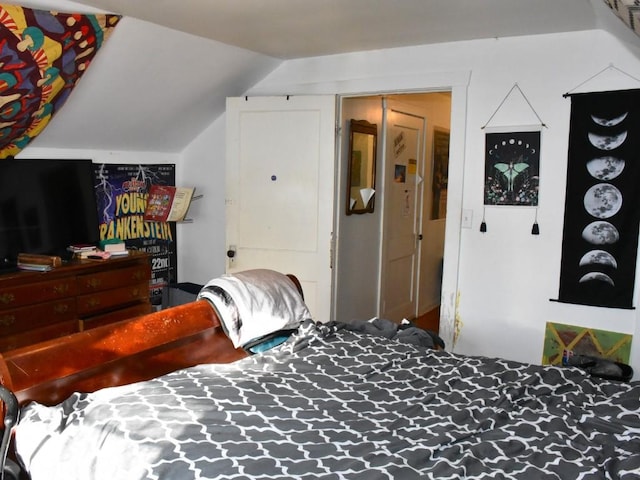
{"x": 124, "y": 352}
{"x": 120, "y": 353}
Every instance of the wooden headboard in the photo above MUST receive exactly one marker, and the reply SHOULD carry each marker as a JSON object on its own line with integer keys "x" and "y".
{"x": 117, "y": 354}
{"x": 120, "y": 353}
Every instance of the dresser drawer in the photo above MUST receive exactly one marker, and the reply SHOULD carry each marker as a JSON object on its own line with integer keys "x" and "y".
{"x": 38, "y": 335}
{"x": 12, "y": 297}
{"x": 22, "y": 319}
{"x": 97, "y": 282}
{"x": 117, "y": 297}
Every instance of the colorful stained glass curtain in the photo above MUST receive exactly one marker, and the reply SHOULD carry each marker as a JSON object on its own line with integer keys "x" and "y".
{"x": 42, "y": 56}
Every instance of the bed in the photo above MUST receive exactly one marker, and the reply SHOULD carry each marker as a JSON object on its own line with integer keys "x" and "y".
{"x": 170, "y": 396}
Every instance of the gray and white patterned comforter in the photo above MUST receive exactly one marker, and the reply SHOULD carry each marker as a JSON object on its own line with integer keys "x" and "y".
{"x": 337, "y": 404}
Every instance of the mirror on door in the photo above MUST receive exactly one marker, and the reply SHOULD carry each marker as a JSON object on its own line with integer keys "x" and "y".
{"x": 362, "y": 167}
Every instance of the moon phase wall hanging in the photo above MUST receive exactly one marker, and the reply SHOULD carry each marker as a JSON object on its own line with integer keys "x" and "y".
{"x": 601, "y": 218}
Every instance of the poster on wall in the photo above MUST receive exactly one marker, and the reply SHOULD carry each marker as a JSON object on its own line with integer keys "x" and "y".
{"x": 512, "y": 168}
{"x": 121, "y": 192}
{"x": 601, "y": 219}
{"x": 560, "y": 339}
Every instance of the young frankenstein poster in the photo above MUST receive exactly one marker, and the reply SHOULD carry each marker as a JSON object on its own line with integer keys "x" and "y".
{"x": 600, "y": 238}
{"x": 121, "y": 192}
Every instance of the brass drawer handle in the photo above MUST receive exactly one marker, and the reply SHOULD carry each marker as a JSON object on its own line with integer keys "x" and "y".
{"x": 138, "y": 275}
{"x": 61, "y": 288}
{"x": 93, "y": 302}
{"x": 93, "y": 283}
{"x": 7, "y": 298}
{"x": 7, "y": 320}
{"x": 60, "y": 309}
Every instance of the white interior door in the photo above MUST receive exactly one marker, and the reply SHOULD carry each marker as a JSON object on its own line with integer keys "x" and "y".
{"x": 280, "y": 190}
{"x": 404, "y": 167}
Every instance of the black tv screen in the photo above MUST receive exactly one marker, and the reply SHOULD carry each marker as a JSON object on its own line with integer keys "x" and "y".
{"x": 45, "y": 206}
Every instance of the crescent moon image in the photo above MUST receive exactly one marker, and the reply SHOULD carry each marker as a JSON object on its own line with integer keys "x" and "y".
{"x": 600, "y": 233}
{"x": 607, "y": 142}
{"x": 601, "y": 277}
{"x": 603, "y": 200}
{"x": 598, "y": 257}
{"x": 605, "y": 168}
{"x": 612, "y": 122}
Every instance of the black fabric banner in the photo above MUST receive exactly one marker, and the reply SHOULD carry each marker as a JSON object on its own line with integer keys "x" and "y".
{"x": 602, "y": 206}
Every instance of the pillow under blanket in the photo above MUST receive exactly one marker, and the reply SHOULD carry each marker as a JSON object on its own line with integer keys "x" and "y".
{"x": 255, "y": 303}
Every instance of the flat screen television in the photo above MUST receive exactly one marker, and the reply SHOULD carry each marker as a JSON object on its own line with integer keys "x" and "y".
{"x": 45, "y": 206}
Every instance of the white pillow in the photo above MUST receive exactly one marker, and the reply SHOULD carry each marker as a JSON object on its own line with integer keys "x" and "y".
{"x": 255, "y": 303}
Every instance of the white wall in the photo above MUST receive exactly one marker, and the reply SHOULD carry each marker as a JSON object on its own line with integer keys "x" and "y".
{"x": 101, "y": 156}
{"x": 506, "y": 275}
{"x": 201, "y": 244}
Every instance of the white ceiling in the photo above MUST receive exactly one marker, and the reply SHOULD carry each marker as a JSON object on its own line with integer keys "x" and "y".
{"x": 164, "y": 74}
{"x": 304, "y": 28}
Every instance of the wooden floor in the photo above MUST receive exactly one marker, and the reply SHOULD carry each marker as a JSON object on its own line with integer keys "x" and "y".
{"x": 430, "y": 320}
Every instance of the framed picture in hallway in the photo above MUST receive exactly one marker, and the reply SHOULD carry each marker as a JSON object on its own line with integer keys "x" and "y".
{"x": 440, "y": 173}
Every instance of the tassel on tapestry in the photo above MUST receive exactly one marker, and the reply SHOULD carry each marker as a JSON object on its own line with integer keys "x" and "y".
{"x": 535, "y": 229}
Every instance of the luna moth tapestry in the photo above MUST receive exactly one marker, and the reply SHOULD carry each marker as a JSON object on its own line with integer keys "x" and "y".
{"x": 601, "y": 218}
{"x": 512, "y": 168}
{"x": 42, "y": 56}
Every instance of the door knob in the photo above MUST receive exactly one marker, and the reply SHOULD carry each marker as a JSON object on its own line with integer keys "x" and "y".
{"x": 231, "y": 254}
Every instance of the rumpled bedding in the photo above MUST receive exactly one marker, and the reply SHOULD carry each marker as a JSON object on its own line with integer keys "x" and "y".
{"x": 405, "y": 332}
{"x": 331, "y": 403}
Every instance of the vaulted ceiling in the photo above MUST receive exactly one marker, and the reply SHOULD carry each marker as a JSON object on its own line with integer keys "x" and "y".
{"x": 164, "y": 74}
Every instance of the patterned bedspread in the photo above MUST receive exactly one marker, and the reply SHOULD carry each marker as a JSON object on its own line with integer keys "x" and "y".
{"x": 338, "y": 404}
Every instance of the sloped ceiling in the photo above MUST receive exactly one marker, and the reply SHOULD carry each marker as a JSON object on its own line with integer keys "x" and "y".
{"x": 164, "y": 74}
{"x": 298, "y": 28}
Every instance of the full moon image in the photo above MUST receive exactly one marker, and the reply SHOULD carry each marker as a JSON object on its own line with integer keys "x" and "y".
{"x": 603, "y": 200}
{"x": 600, "y": 233}
{"x": 597, "y": 276}
{"x": 598, "y": 257}
{"x": 609, "y": 122}
{"x": 605, "y": 168}
{"x": 607, "y": 142}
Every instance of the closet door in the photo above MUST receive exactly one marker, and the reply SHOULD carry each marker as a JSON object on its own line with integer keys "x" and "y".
{"x": 280, "y": 190}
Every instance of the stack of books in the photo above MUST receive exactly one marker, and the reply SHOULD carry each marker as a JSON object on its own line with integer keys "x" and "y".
{"x": 115, "y": 248}
{"x": 82, "y": 250}
{"x": 38, "y": 263}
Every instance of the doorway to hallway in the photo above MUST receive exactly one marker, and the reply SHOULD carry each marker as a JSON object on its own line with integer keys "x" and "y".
{"x": 361, "y": 241}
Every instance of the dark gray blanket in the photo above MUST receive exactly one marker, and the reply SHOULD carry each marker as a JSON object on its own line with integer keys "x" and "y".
{"x": 405, "y": 332}
{"x": 336, "y": 404}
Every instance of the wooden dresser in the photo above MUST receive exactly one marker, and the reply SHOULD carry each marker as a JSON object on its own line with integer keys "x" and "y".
{"x": 79, "y": 295}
